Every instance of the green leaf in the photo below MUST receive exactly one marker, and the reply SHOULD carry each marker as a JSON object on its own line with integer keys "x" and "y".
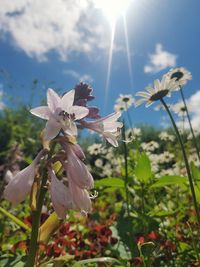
{"x": 170, "y": 180}
{"x": 110, "y": 182}
{"x": 15, "y": 219}
{"x": 102, "y": 259}
{"x": 197, "y": 191}
{"x": 143, "y": 168}
{"x": 195, "y": 171}
{"x": 12, "y": 261}
{"x": 161, "y": 213}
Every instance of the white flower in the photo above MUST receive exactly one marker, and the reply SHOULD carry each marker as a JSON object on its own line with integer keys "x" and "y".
{"x": 161, "y": 89}
{"x": 108, "y": 127}
{"x": 179, "y": 109}
{"x": 95, "y": 149}
{"x": 20, "y": 185}
{"x": 150, "y": 146}
{"x": 98, "y": 163}
{"x": 166, "y": 137}
{"x": 119, "y": 107}
{"x": 181, "y": 76}
{"x": 60, "y": 114}
{"x": 124, "y": 102}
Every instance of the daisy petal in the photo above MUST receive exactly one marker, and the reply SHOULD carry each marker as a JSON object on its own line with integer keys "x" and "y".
{"x": 42, "y": 112}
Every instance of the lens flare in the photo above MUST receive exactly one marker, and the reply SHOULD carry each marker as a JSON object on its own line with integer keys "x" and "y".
{"x": 112, "y": 8}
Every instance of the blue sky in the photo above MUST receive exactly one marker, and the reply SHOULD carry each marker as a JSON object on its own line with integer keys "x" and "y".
{"x": 60, "y": 42}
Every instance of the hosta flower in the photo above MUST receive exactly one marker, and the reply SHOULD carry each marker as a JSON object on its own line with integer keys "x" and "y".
{"x": 108, "y": 127}
{"x": 20, "y": 185}
{"x": 60, "y": 195}
{"x": 161, "y": 89}
{"x": 76, "y": 169}
{"x": 60, "y": 114}
{"x": 81, "y": 198}
{"x": 181, "y": 76}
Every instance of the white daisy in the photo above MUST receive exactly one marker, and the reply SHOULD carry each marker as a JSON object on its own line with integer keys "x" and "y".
{"x": 181, "y": 76}
{"x": 157, "y": 92}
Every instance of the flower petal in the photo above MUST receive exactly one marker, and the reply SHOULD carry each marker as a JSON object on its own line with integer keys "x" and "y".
{"x": 81, "y": 198}
{"x": 21, "y": 183}
{"x": 78, "y": 171}
{"x": 71, "y": 130}
{"x": 52, "y": 129}
{"x": 67, "y": 100}
{"x": 53, "y": 100}
{"x": 78, "y": 111}
{"x": 43, "y": 112}
{"x": 60, "y": 196}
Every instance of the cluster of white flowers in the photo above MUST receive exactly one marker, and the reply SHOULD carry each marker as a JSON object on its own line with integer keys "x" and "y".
{"x": 166, "y": 136}
{"x": 96, "y": 149}
{"x": 150, "y": 146}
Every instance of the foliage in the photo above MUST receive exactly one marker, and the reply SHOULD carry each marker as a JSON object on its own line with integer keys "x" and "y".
{"x": 156, "y": 228}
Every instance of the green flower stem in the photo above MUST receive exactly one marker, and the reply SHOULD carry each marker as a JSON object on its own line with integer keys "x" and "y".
{"x": 126, "y": 168}
{"x": 190, "y": 124}
{"x": 36, "y": 224}
{"x": 185, "y": 160}
{"x": 33, "y": 246}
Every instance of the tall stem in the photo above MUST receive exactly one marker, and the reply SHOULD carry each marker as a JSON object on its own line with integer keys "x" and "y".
{"x": 185, "y": 160}
{"x": 190, "y": 124}
{"x": 126, "y": 168}
{"x": 36, "y": 224}
{"x": 33, "y": 246}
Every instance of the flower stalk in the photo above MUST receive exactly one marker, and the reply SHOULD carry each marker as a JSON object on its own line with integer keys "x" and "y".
{"x": 126, "y": 168}
{"x": 36, "y": 214}
{"x": 185, "y": 160}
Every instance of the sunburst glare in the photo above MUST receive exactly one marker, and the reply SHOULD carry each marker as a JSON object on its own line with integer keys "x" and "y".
{"x": 113, "y": 9}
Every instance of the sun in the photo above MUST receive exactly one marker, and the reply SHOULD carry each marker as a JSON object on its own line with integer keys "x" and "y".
{"x": 112, "y": 8}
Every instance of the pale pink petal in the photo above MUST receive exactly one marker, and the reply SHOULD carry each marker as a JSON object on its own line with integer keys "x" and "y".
{"x": 77, "y": 150}
{"x": 67, "y": 100}
{"x": 78, "y": 171}
{"x": 79, "y": 112}
{"x": 53, "y": 100}
{"x": 112, "y": 126}
{"x": 21, "y": 184}
{"x": 60, "y": 196}
{"x": 52, "y": 129}
{"x": 111, "y": 138}
{"x": 42, "y": 112}
{"x": 81, "y": 198}
{"x": 71, "y": 129}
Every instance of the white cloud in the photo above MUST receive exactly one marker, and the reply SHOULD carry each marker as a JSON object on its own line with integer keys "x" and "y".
{"x": 65, "y": 26}
{"x": 160, "y": 60}
{"x": 80, "y": 77}
{"x": 194, "y": 104}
